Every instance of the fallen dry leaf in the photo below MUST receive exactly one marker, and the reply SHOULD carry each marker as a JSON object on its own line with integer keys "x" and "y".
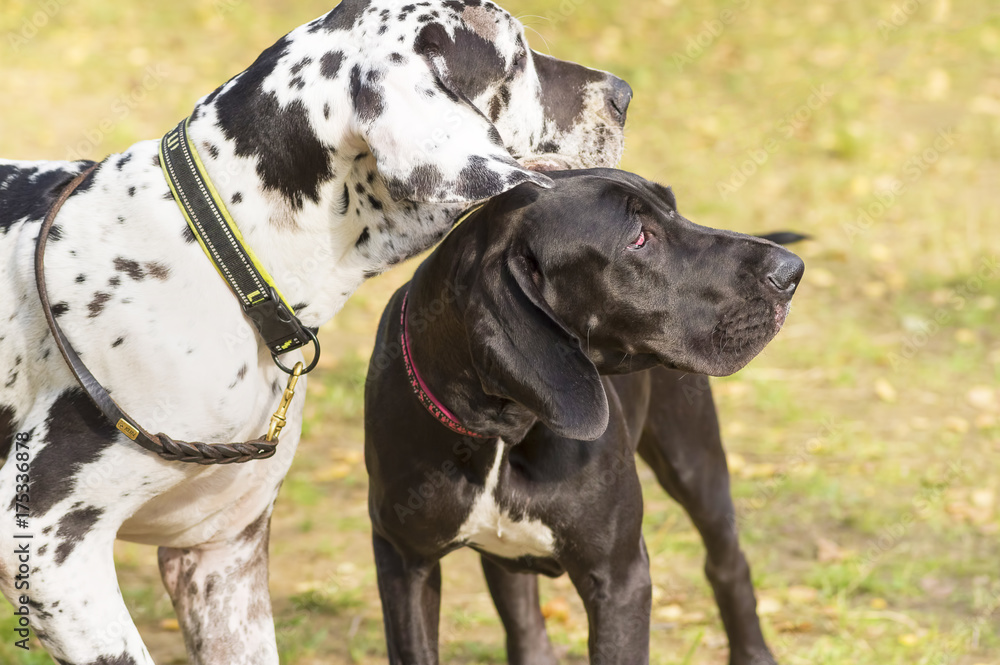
{"x": 170, "y": 624}
{"x": 828, "y": 551}
{"x": 794, "y": 627}
{"x": 985, "y": 421}
{"x": 802, "y": 594}
{"x": 333, "y": 472}
{"x": 768, "y": 605}
{"x": 736, "y": 462}
{"x": 966, "y": 337}
{"x": 936, "y": 588}
{"x": 885, "y": 391}
{"x": 556, "y": 609}
{"x": 983, "y": 398}
{"x": 668, "y": 613}
{"x": 983, "y": 498}
{"x": 762, "y": 470}
{"x": 694, "y": 617}
{"x": 956, "y": 424}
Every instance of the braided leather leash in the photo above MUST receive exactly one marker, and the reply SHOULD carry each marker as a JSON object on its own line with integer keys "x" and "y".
{"x": 161, "y": 444}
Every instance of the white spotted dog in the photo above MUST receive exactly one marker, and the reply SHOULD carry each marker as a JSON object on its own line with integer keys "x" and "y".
{"x": 351, "y": 144}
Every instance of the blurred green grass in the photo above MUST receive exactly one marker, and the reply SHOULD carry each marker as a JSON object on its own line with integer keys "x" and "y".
{"x": 778, "y": 115}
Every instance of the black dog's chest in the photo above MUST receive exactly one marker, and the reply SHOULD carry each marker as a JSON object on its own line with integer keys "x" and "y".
{"x": 494, "y": 524}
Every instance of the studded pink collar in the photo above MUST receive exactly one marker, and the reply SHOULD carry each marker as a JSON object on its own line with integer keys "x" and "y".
{"x": 420, "y": 389}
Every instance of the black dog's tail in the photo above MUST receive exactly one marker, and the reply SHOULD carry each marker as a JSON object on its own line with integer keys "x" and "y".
{"x": 784, "y": 237}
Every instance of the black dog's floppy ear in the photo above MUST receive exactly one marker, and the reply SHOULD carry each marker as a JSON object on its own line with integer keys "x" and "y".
{"x": 522, "y": 352}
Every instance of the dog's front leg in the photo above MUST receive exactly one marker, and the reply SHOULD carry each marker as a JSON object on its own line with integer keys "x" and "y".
{"x": 72, "y": 597}
{"x": 618, "y": 595}
{"x": 516, "y": 598}
{"x": 411, "y": 604}
{"x": 221, "y": 597}
{"x": 682, "y": 444}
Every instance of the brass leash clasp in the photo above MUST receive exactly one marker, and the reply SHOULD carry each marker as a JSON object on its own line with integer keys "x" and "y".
{"x": 278, "y": 419}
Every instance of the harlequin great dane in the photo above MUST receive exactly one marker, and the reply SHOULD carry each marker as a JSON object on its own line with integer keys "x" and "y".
{"x": 505, "y": 403}
{"x": 351, "y": 144}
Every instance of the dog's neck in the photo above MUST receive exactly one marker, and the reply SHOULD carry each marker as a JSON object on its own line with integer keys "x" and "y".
{"x": 319, "y": 249}
{"x": 439, "y": 346}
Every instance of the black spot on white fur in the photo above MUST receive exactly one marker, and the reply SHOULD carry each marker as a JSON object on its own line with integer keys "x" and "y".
{"x": 366, "y": 94}
{"x": 77, "y": 433}
{"x": 96, "y": 305}
{"x": 330, "y": 64}
{"x": 6, "y": 429}
{"x": 73, "y": 527}
{"x": 28, "y": 193}
{"x": 300, "y": 65}
{"x": 344, "y": 16}
{"x": 422, "y": 182}
{"x": 290, "y": 159}
{"x": 130, "y": 268}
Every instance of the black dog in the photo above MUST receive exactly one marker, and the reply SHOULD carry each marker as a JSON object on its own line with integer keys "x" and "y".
{"x": 512, "y": 322}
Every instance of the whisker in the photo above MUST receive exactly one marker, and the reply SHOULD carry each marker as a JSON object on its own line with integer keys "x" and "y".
{"x": 547, "y": 48}
{"x": 524, "y": 16}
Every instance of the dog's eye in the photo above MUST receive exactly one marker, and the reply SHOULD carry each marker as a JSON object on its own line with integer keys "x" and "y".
{"x": 520, "y": 61}
{"x": 639, "y": 242}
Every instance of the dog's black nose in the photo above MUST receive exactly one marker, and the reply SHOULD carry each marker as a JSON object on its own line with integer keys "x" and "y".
{"x": 787, "y": 273}
{"x": 619, "y": 98}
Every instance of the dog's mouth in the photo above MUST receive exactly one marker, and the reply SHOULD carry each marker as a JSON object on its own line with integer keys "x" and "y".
{"x": 740, "y": 335}
{"x": 781, "y": 311}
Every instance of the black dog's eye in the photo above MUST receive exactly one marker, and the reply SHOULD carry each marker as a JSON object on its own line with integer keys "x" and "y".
{"x": 639, "y": 242}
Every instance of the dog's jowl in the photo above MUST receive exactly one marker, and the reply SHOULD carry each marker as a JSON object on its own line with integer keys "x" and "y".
{"x": 514, "y": 410}
{"x": 349, "y": 145}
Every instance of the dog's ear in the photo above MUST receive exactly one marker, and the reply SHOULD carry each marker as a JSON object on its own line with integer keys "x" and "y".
{"x": 521, "y": 351}
{"x": 431, "y": 144}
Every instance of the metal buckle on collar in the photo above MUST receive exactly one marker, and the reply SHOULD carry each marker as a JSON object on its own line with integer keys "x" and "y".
{"x": 279, "y": 328}
{"x": 315, "y": 341}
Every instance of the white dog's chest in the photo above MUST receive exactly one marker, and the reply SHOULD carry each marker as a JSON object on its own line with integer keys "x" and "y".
{"x": 490, "y": 528}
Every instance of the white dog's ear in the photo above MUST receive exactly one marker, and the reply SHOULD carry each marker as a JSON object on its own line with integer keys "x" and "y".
{"x": 430, "y": 143}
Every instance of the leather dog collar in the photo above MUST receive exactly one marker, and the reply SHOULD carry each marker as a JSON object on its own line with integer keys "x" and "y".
{"x": 161, "y": 444}
{"x": 420, "y": 389}
{"x": 222, "y": 242}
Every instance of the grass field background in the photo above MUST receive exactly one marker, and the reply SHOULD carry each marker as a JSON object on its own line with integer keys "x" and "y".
{"x": 864, "y": 443}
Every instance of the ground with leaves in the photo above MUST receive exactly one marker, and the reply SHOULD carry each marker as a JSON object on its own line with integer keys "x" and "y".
{"x": 864, "y": 443}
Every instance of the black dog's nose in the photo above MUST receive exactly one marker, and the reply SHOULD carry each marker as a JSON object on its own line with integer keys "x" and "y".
{"x": 619, "y": 98}
{"x": 787, "y": 274}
